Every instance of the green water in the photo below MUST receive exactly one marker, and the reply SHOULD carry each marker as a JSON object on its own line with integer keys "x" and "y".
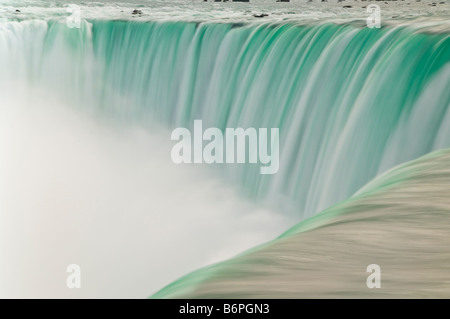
{"x": 350, "y": 103}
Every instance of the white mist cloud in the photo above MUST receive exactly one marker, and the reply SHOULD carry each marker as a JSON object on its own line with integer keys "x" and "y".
{"x": 108, "y": 198}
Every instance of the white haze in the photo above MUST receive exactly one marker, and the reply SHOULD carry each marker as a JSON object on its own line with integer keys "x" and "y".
{"x": 107, "y": 197}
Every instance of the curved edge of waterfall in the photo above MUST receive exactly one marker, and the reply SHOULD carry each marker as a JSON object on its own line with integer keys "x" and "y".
{"x": 399, "y": 221}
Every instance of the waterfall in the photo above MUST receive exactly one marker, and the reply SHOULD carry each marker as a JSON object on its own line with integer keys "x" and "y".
{"x": 350, "y": 103}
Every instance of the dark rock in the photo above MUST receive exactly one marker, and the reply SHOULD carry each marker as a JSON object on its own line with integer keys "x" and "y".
{"x": 17, "y": 10}
{"x": 262, "y": 15}
{"x": 347, "y": 7}
{"x": 135, "y": 11}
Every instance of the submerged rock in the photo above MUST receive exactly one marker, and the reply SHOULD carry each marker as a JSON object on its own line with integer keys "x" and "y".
{"x": 260, "y": 15}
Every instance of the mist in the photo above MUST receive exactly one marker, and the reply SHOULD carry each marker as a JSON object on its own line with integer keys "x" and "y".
{"x": 106, "y": 196}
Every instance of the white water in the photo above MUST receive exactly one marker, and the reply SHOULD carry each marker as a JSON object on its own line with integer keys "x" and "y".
{"x": 434, "y": 18}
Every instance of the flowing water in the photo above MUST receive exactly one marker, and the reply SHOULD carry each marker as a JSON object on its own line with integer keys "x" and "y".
{"x": 86, "y": 118}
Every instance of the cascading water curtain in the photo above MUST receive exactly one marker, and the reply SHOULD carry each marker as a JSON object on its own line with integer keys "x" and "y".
{"x": 349, "y": 103}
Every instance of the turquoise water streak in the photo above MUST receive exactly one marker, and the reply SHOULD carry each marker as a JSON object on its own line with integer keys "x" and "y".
{"x": 350, "y": 103}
